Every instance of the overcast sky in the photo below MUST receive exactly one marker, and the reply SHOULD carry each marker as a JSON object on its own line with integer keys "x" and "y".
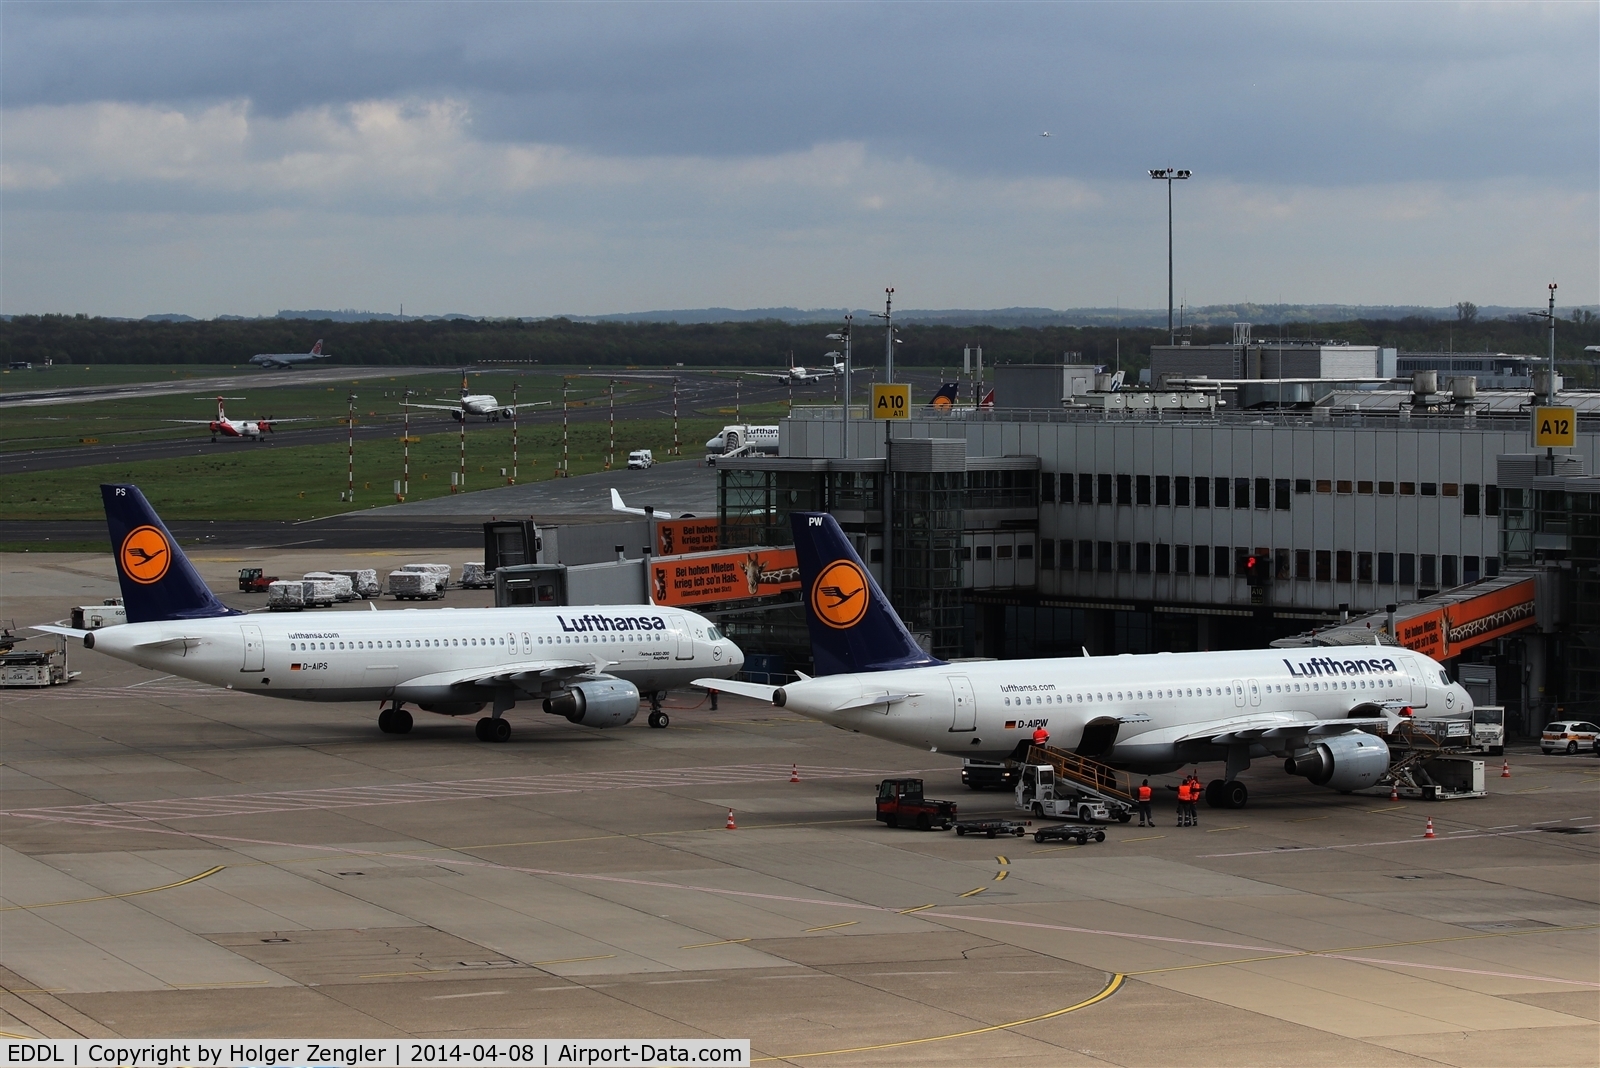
{"x": 533, "y": 159}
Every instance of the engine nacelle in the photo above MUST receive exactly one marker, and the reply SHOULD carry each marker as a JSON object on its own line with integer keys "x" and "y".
{"x": 597, "y": 703}
{"x": 505, "y": 413}
{"x": 1344, "y": 762}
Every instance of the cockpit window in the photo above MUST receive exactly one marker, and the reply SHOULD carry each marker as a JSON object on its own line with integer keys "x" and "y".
{"x": 1444, "y": 678}
{"x": 713, "y": 633}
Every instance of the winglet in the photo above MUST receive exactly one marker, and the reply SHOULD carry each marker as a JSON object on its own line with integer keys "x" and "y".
{"x": 853, "y": 626}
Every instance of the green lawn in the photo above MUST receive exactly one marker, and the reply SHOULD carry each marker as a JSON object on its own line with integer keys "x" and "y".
{"x": 268, "y": 482}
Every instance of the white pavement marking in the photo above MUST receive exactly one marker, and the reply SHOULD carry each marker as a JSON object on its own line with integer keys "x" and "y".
{"x": 184, "y": 808}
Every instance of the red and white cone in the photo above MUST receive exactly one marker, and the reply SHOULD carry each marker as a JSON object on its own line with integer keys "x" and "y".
{"x": 794, "y": 772}
{"x": 732, "y": 826}
{"x": 1426, "y": 834}
{"x": 1505, "y": 770}
{"x": 1394, "y": 791}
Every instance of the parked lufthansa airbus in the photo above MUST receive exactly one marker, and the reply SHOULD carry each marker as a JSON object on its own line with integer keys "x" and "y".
{"x": 586, "y": 664}
{"x": 1149, "y": 713}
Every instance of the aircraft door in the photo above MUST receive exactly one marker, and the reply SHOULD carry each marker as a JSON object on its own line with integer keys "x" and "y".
{"x": 965, "y": 706}
{"x": 680, "y": 631}
{"x": 1255, "y": 693}
{"x": 254, "y": 650}
{"x": 1419, "y": 683}
{"x": 1238, "y": 693}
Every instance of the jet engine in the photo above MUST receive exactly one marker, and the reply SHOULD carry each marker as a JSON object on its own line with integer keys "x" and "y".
{"x": 597, "y": 703}
{"x": 505, "y": 413}
{"x": 1344, "y": 762}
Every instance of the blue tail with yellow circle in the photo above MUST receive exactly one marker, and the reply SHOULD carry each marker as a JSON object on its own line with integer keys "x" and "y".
{"x": 853, "y": 626}
{"x": 158, "y": 581}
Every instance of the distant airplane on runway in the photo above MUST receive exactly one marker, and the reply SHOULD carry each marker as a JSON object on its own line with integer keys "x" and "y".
{"x": 796, "y": 376}
{"x": 289, "y": 359}
{"x": 483, "y": 404}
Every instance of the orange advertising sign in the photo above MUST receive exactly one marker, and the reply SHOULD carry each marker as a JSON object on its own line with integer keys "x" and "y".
{"x": 677, "y": 536}
{"x": 1424, "y": 633}
{"x": 735, "y": 576}
{"x": 1482, "y": 618}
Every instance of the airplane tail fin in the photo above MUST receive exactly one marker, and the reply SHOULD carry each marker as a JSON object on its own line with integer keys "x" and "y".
{"x": 158, "y": 581}
{"x": 945, "y": 398}
{"x": 853, "y": 626}
{"x": 988, "y": 402}
{"x": 316, "y": 350}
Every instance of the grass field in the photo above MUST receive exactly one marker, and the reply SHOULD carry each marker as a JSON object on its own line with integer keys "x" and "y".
{"x": 64, "y": 375}
{"x": 246, "y": 481}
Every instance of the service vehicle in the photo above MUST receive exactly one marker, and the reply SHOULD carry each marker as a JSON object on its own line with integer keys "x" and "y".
{"x": 440, "y": 572}
{"x": 1568, "y": 736}
{"x": 987, "y": 774}
{"x": 252, "y": 580}
{"x": 641, "y": 460}
{"x": 991, "y": 828}
{"x": 364, "y": 580}
{"x": 474, "y": 577}
{"x": 1067, "y": 832}
{"x": 343, "y": 588}
{"x": 901, "y": 804}
{"x": 94, "y": 616}
{"x": 1044, "y": 793}
{"x": 28, "y": 668}
{"x": 289, "y": 595}
{"x": 321, "y": 590}
{"x": 414, "y": 586}
{"x": 1489, "y": 729}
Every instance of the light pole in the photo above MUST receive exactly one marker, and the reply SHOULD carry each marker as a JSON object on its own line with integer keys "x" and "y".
{"x": 514, "y": 386}
{"x": 888, "y": 333}
{"x": 350, "y": 455}
{"x": 1169, "y": 175}
{"x": 844, "y": 336}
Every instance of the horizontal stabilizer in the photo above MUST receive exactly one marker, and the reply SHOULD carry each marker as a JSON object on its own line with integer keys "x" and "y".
{"x": 743, "y": 689}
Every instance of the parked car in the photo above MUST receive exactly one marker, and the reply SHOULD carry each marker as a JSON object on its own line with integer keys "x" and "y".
{"x": 1568, "y": 736}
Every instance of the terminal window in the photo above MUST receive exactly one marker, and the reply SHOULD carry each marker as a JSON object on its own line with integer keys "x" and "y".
{"x": 1408, "y": 569}
{"x": 1219, "y": 562}
{"x": 1469, "y": 569}
{"x": 1202, "y": 493}
{"x": 1241, "y": 493}
{"x": 1341, "y": 566}
{"x": 1263, "y": 493}
{"x": 1202, "y": 560}
{"x": 1047, "y": 554}
{"x": 1491, "y": 500}
{"x": 1221, "y": 496}
{"x": 1448, "y": 567}
{"x": 1047, "y": 486}
{"x": 1324, "y": 485}
{"x": 1280, "y": 563}
{"x": 1180, "y": 559}
{"x": 1469, "y": 499}
{"x": 985, "y": 552}
{"x": 1302, "y": 485}
{"x": 1450, "y": 489}
{"x": 1302, "y": 564}
{"x": 1324, "y": 565}
{"x": 1430, "y": 489}
{"x": 1386, "y": 489}
{"x": 1386, "y": 569}
{"x": 1345, "y": 485}
{"x": 1124, "y": 489}
{"x": 1491, "y": 566}
{"x": 1363, "y": 567}
{"x": 1282, "y": 493}
{"x": 1085, "y": 556}
{"x": 1103, "y": 556}
{"x": 1085, "y": 489}
{"x": 1180, "y": 490}
{"x": 1105, "y": 489}
{"x": 1364, "y": 487}
{"x": 1163, "y": 489}
{"x": 1066, "y": 487}
{"x": 1430, "y": 569}
{"x": 1141, "y": 489}
{"x": 1408, "y": 489}
{"x": 1163, "y": 558}
{"x": 1141, "y": 560}
{"x": 1124, "y": 556}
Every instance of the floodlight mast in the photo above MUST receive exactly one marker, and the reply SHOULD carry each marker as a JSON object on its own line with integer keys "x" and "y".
{"x": 844, "y": 336}
{"x": 1169, "y": 175}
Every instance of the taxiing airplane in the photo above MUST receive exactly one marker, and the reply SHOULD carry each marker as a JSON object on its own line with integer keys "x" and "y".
{"x": 585, "y": 664}
{"x": 1150, "y": 713}
{"x": 742, "y": 438}
{"x": 483, "y": 404}
{"x": 244, "y": 429}
{"x": 799, "y": 376}
{"x": 289, "y": 359}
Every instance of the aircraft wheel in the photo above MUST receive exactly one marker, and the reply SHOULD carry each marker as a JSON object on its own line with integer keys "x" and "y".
{"x": 659, "y": 719}
{"x": 1214, "y": 793}
{"x": 394, "y": 721}
{"x": 1236, "y": 794}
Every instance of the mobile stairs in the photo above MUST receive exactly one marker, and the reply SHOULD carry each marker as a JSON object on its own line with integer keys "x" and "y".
{"x": 1090, "y": 778}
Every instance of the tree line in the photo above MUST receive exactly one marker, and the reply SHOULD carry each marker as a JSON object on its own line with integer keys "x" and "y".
{"x": 764, "y": 344}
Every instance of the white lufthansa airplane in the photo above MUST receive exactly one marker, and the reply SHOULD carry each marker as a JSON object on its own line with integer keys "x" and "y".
{"x": 586, "y": 664}
{"x": 1149, "y": 713}
{"x": 741, "y": 436}
{"x": 480, "y": 404}
{"x": 289, "y": 359}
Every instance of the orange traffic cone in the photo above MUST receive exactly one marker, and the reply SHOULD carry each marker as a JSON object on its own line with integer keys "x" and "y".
{"x": 1426, "y": 834}
{"x": 1505, "y": 770}
{"x": 794, "y": 772}
{"x": 1394, "y": 791}
{"x": 732, "y": 826}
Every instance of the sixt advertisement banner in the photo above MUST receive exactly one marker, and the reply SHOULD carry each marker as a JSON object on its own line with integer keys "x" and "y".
{"x": 675, "y": 537}
{"x": 734, "y": 576}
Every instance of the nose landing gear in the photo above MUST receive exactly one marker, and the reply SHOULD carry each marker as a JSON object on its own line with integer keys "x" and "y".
{"x": 657, "y": 718}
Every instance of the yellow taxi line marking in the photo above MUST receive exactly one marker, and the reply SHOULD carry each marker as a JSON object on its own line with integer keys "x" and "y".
{"x": 1216, "y": 830}
{"x": 919, "y": 908}
{"x": 999, "y": 876}
{"x": 832, "y": 926}
{"x": 1308, "y": 819}
{"x": 979, "y": 890}
{"x": 1146, "y": 838}
{"x": 1002, "y": 861}
{"x": 114, "y": 897}
{"x": 724, "y": 942}
{"x": 1110, "y": 988}
{"x": 8, "y": 1034}
{"x": 569, "y": 960}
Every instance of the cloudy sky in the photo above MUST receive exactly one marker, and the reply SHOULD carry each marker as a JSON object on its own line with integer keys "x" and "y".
{"x": 541, "y": 158}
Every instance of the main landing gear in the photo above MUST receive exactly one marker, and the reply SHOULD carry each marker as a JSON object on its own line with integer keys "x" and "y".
{"x": 657, "y": 718}
{"x": 394, "y": 720}
{"x": 493, "y": 729}
{"x": 1223, "y": 793}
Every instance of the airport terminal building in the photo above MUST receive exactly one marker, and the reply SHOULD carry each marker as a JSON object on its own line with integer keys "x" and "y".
{"x": 1188, "y": 518}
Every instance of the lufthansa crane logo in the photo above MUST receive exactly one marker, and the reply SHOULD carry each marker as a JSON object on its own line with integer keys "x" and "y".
{"x": 145, "y": 555}
{"x": 839, "y": 596}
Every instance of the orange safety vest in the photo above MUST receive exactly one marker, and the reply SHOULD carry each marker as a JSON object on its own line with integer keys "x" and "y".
{"x": 1183, "y": 790}
{"x": 1144, "y": 793}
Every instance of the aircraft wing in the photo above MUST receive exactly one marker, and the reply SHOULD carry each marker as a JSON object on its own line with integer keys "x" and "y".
{"x": 56, "y": 628}
{"x": 527, "y": 404}
{"x": 743, "y": 689}
{"x": 196, "y": 422}
{"x": 766, "y": 374}
{"x": 526, "y": 674}
{"x": 435, "y": 407}
{"x": 1278, "y": 726}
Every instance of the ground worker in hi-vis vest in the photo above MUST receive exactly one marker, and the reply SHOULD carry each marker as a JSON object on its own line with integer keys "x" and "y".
{"x": 1146, "y": 817}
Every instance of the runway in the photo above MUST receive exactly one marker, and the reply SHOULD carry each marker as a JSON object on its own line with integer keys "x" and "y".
{"x": 180, "y": 860}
